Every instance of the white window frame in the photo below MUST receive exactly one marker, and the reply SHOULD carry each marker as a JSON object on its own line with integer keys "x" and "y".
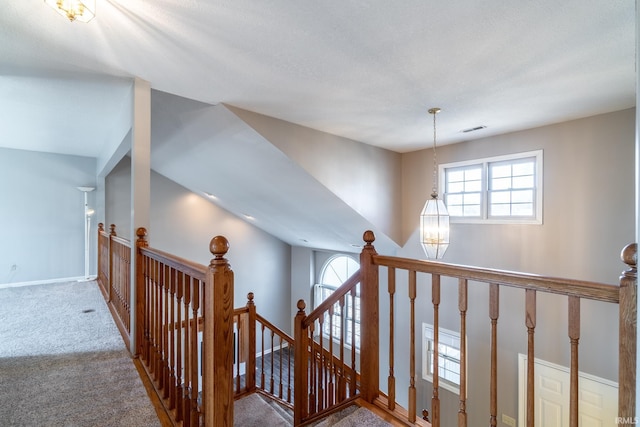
{"x": 484, "y": 192}
{"x": 444, "y": 336}
{"x": 355, "y": 311}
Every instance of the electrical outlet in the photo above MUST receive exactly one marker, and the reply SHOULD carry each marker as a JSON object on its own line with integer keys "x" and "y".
{"x": 507, "y": 420}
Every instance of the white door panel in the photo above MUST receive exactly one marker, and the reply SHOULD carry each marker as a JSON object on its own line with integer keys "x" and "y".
{"x": 597, "y": 401}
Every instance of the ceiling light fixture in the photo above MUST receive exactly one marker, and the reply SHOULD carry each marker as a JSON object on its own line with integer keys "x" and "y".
{"x": 434, "y": 220}
{"x": 74, "y": 10}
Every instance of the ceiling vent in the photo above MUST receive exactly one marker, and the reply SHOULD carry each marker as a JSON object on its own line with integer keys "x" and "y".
{"x": 473, "y": 129}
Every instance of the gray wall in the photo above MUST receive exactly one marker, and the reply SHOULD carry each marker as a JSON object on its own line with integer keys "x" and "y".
{"x": 367, "y": 178}
{"x": 183, "y": 223}
{"x": 588, "y": 218}
{"x": 42, "y": 215}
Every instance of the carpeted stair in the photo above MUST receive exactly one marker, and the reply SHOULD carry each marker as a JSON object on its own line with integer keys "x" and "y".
{"x": 255, "y": 410}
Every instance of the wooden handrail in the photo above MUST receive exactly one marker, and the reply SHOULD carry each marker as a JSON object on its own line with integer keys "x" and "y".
{"x": 568, "y": 287}
{"x": 279, "y": 332}
{"x": 625, "y": 295}
{"x": 193, "y": 269}
{"x": 332, "y": 299}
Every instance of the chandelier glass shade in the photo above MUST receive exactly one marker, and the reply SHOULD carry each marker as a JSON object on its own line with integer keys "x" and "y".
{"x": 74, "y": 10}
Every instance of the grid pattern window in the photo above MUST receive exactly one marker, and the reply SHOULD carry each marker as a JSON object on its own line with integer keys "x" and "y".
{"x": 334, "y": 273}
{"x": 503, "y": 189}
{"x": 448, "y": 357}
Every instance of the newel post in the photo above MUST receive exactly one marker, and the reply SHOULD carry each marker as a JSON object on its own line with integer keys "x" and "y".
{"x": 300, "y": 367}
{"x": 140, "y": 290}
{"x": 217, "y": 360}
{"x": 251, "y": 356}
{"x": 369, "y": 334}
{"x": 628, "y": 337}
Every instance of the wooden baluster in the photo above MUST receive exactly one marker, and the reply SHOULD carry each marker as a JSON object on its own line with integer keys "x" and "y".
{"x": 262, "y": 378}
{"x": 435, "y": 299}
{"x": 272, "y": 378}
{"x": 342, "y": 381}
{"x": 173, "y": 328}
{"x": 530, "y": 320}
{"x": 313, "y": 407}
{"x": 194, "y": 351}
{"x": 353, "y": 388}
{"x": 280, "y": 366}
{"x": 289, "y": 377}
{"x": 152, "y": 315}
{"x": 628, "y": 336}
{"x": 250, "y": 372}
{"x": 300, "y": 367}
{"x": 159, "y": 326}
{"x": 237, "y": 319}
{"x": 412, "y": 346}
{"x": 391, "y": 380}
{"x": 330, "y": 387}
{"x": 494, "y": 309}
{"x": 148, "y": 310}
{"x": 165, "y": 333}
{"x": 186, "y": 389}
{"x": 462, "y": 307}
{"x": 180, "y": 322}
{"x": 574, "y": 337}
{"x": 320, "y": 365}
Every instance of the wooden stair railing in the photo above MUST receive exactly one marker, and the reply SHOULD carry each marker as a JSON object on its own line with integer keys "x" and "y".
{"x": 114, "y": 277}
{"x": 187, "y": 332}
{"x": 269, "y": 369}
{"x": 183, "y": 324}
{"x": 325, "y": 365}
{"x": 574, "y": 290}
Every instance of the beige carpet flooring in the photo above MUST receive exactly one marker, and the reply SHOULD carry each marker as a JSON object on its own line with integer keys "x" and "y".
{"x": 63, "y": 361}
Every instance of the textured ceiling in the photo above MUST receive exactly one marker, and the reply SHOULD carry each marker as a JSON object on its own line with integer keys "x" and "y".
{"x": 366, "y": 70}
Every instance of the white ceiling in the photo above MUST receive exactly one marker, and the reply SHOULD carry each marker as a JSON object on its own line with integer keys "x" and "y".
{"x": 366, "y": 70}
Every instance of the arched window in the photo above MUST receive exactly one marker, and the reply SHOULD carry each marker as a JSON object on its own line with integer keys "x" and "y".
{"x": 334, "y": 273}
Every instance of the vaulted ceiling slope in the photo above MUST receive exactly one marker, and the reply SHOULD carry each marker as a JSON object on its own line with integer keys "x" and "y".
{"x": 364, "y": 70}
{"x": 211, "y": 151}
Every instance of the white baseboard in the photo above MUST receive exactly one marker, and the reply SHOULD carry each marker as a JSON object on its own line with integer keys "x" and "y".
{"x": 46, "y": 282}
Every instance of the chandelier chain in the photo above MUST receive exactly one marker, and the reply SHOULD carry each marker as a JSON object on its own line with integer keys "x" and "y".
{"x": 434, "y": 189}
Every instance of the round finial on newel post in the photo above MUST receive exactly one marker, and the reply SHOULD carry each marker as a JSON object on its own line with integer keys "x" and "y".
{"x": 100, "y": 226}
{"x": 219, "y": 246}
{"x": 112, "y": 229}
{"x": 629, "y": 256}
{"x": 141, "y": 232}
{"x": 250, "y": 298}
{"x": 368, "y": 237}
{"x": 301, "y": 306}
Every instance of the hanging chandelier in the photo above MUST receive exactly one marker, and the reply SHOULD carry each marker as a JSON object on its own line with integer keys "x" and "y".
{"x": 434, "y": 219}
{"x": 74, "y": 10}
